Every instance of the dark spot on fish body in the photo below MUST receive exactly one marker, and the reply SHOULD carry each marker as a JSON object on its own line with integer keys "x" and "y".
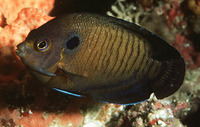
{"x": 73, "y": 42}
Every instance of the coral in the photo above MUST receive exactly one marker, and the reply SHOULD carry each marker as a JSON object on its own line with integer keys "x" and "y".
{"x": 10, "y": 8}
{"x": 128, "y": 11}
{"x": 2, "y": 20}
{"x": 28, "y": 19}
{"x": 150, "y": 113}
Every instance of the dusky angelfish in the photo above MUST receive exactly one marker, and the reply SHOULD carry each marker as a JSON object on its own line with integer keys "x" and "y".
{"x": 103, "y": 58}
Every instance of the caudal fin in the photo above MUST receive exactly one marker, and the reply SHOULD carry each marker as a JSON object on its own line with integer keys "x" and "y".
{"x": 170, "y": 78}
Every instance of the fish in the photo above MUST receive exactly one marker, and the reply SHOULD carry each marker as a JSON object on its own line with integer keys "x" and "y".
{"x": 102, "y": 58}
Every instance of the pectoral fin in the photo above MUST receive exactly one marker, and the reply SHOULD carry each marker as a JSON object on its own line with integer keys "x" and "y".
{"x": 73, "y": 77}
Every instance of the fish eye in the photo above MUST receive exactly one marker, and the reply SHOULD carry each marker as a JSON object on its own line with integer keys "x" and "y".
{"x": 73, "y": 42}
{"x": 41, "y": 45}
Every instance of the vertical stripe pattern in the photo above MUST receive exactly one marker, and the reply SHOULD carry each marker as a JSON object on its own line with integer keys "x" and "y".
{"x": 116, "y": 62}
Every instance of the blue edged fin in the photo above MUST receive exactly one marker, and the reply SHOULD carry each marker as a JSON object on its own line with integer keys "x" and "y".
{"x": 69, "y": 93}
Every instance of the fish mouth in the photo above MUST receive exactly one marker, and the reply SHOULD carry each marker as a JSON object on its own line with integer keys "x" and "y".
{"x": 20, "y": 51}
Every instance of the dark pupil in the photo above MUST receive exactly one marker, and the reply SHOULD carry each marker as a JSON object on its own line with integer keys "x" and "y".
{"x": 42, "y": 44}
{"x": 73, "y": 43}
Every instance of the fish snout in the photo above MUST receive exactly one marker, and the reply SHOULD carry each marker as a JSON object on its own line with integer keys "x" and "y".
{"x": 20, "y": 51}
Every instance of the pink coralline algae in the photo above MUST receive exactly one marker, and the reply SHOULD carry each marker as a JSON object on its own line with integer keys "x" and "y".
{"x": 187, "y": 50}
{"x": 28, "y": 19}
{"x": 11, "y": 8}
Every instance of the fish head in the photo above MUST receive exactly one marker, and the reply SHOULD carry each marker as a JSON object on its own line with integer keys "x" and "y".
{"x": 41, "y": 49}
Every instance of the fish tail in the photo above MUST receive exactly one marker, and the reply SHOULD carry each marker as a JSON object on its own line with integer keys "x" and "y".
{"x": 169, "y": 79}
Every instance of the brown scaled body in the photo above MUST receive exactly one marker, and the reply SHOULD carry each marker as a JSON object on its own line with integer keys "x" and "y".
{"x": 104, "y": 58}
